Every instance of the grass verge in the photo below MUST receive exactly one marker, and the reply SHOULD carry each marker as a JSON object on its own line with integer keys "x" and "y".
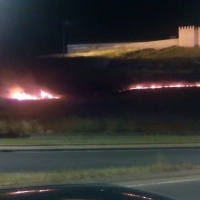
{"x": 101, "y": 140}
{"x": 80, "y": 126}
{"x": 67, "y": 176}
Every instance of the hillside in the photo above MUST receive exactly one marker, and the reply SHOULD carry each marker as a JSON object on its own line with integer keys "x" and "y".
{"x": 166, "y": 53}
{"x": 168, "y": 60}
{"x": 110, "y": 72}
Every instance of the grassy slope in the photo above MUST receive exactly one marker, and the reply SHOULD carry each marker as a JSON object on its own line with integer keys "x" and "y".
{"x": 168, "y": 60}
{"x": 171, "y": 52}
{"x": 126, "y": 61}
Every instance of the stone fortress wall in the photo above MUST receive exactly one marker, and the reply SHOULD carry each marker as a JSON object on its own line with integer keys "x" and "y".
{"x": 188, "y": 36}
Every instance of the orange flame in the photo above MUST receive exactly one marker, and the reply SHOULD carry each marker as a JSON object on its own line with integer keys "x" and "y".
{"x": 160, "y": 86}
{"x": 20, "y": 95}
{"x": 45, "y": 95}
{"x": 23, "y": 96}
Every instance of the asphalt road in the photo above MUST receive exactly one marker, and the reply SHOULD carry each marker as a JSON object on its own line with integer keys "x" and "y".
{"x": 183, "y": 188}
{"x": 20, "y": 161}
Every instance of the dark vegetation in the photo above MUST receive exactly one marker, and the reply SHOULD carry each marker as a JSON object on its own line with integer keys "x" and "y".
{"x": 91, "y": 100}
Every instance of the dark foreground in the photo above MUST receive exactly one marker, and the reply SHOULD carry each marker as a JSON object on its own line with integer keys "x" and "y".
{"x": 165, "y": 111}
{"x": 158, "y": 101}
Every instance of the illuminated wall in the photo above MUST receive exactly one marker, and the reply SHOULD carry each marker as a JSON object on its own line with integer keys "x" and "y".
{"x": 189, "y": 36}
{"x": 196, "y": 39}
{"x": 198, "y": 36}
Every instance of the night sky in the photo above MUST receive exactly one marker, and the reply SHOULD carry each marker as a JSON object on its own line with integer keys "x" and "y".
{"x": 34, "y": 27}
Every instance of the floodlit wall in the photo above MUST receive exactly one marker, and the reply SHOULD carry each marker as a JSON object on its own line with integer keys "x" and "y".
{"x": 198, "y": 36}
{"x": 137, "y": 45}
{"x": 187, "y": 36}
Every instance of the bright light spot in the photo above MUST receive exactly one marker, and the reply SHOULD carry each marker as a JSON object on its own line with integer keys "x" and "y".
{"x": 23, "y": 96}
{"x": 45, "y": 95}
{"x": 19, "y": 94}
{"x": 30, "y": 191}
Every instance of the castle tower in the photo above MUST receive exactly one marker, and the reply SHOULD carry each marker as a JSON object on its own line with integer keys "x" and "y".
{"x": 188, "y": 36}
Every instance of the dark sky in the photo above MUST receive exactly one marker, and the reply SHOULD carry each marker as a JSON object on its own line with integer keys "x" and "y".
{"x": 35, "y": 26}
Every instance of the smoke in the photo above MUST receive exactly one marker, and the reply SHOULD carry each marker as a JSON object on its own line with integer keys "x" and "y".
{"x": 17, "y": 79}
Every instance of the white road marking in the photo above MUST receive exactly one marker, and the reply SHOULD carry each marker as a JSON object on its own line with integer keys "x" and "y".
{"x": 165, "y": 182}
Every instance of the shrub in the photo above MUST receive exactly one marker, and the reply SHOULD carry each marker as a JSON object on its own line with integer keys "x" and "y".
{"x": 20, "y": 127}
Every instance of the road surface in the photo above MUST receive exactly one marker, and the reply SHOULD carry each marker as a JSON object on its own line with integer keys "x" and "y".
{"x": 183, "y": 188}
{"x": 35, "y": 161}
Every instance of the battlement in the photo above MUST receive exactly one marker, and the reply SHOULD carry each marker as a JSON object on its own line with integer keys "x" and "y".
{"x": 189, "y": 36}
{"x": 187, "y": 27}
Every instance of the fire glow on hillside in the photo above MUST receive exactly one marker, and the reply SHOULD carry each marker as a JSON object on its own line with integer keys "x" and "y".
{"x": 19, "y": 94}
{"x": 161, "y": 86}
